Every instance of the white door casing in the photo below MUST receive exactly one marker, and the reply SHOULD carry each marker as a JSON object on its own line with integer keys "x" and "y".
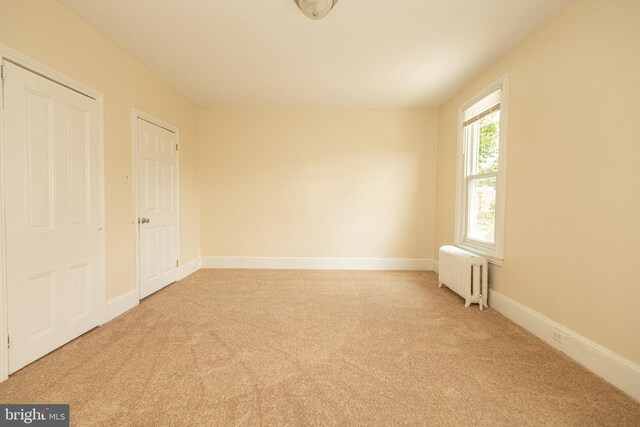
{"x": 53, "y": 212}
{"x": 157, "y": 206}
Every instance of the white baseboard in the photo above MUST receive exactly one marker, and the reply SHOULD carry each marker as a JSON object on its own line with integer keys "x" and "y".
{"x": 121, "y": 304}
{"x": 436, "y": 266}
{"x": 614, "y": 368}
{"x": 313, "y": 263}
{"x": 189, "y": 268}
{"x": 126, "y": 302}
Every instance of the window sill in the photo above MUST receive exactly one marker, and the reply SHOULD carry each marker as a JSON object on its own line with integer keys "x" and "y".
{"x": 492, "y": 258}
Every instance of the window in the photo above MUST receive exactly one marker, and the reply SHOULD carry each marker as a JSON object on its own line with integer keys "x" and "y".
{"x": 481, "y": 172}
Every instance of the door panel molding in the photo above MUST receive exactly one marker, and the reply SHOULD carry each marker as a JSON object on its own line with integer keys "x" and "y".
{"x": 10, "y": 55}
{"x": 135, "y": 115}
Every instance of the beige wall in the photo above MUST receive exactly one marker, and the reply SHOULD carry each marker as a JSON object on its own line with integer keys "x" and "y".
{"x": 48, "y": 32}
{"x": 572, "y": 230}
{"x": 318, "y": 183}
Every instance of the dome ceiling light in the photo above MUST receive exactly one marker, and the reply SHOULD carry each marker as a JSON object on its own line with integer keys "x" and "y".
{"x": 316, "y": 9}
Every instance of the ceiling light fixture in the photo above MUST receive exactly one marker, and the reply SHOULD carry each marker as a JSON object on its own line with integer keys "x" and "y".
{"x": 316, "y": 9}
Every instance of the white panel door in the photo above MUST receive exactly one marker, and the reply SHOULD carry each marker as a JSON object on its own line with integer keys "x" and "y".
{"x": 53, "y": 214}
{"x": 157, "y": 223}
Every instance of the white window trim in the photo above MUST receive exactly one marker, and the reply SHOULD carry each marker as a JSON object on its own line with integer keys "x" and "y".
{"x": 495, "y": 252}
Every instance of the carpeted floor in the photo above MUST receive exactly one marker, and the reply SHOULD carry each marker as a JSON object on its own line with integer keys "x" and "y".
{"x": 234, "y": 347}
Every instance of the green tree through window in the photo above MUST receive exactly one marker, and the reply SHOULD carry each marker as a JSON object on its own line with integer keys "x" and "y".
{"x": 488, "y": 143}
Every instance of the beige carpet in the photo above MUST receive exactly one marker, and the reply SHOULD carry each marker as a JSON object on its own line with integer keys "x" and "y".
{"x": 231, "y": 347}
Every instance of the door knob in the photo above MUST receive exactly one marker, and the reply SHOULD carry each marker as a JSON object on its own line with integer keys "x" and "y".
{"x": 143, "y": 220}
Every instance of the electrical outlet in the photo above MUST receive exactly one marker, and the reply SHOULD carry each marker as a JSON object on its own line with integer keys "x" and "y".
{"x": 557, "y": 336}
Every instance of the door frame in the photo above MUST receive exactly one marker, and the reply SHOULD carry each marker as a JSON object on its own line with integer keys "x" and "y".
{"x": 11, "y": 55}
{"x": 135, "y": 115}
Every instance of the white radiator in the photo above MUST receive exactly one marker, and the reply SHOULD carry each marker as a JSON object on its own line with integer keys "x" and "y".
{"x": 464, "y": 273}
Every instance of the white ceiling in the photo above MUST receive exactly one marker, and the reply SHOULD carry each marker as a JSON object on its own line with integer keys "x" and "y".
{"x": 365, "y": 54}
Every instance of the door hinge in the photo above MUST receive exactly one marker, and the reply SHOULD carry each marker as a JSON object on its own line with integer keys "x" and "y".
{"x": 2, "y": 72}
{"x": 176, "y": 147}
{"x": 177, "y": 263}
{"x": 8, "y": 341}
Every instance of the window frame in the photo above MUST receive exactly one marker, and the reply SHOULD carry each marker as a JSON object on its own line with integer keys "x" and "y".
{"x": 494, "y": 252}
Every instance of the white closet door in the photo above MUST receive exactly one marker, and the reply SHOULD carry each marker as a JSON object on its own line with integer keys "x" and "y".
{"x": 53, "y": 208}
{"x": 157, "y": 164}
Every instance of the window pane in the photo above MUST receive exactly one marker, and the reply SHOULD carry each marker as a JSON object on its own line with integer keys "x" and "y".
{"x": 482, "y": 209}
{"x": 483, "y": 143}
